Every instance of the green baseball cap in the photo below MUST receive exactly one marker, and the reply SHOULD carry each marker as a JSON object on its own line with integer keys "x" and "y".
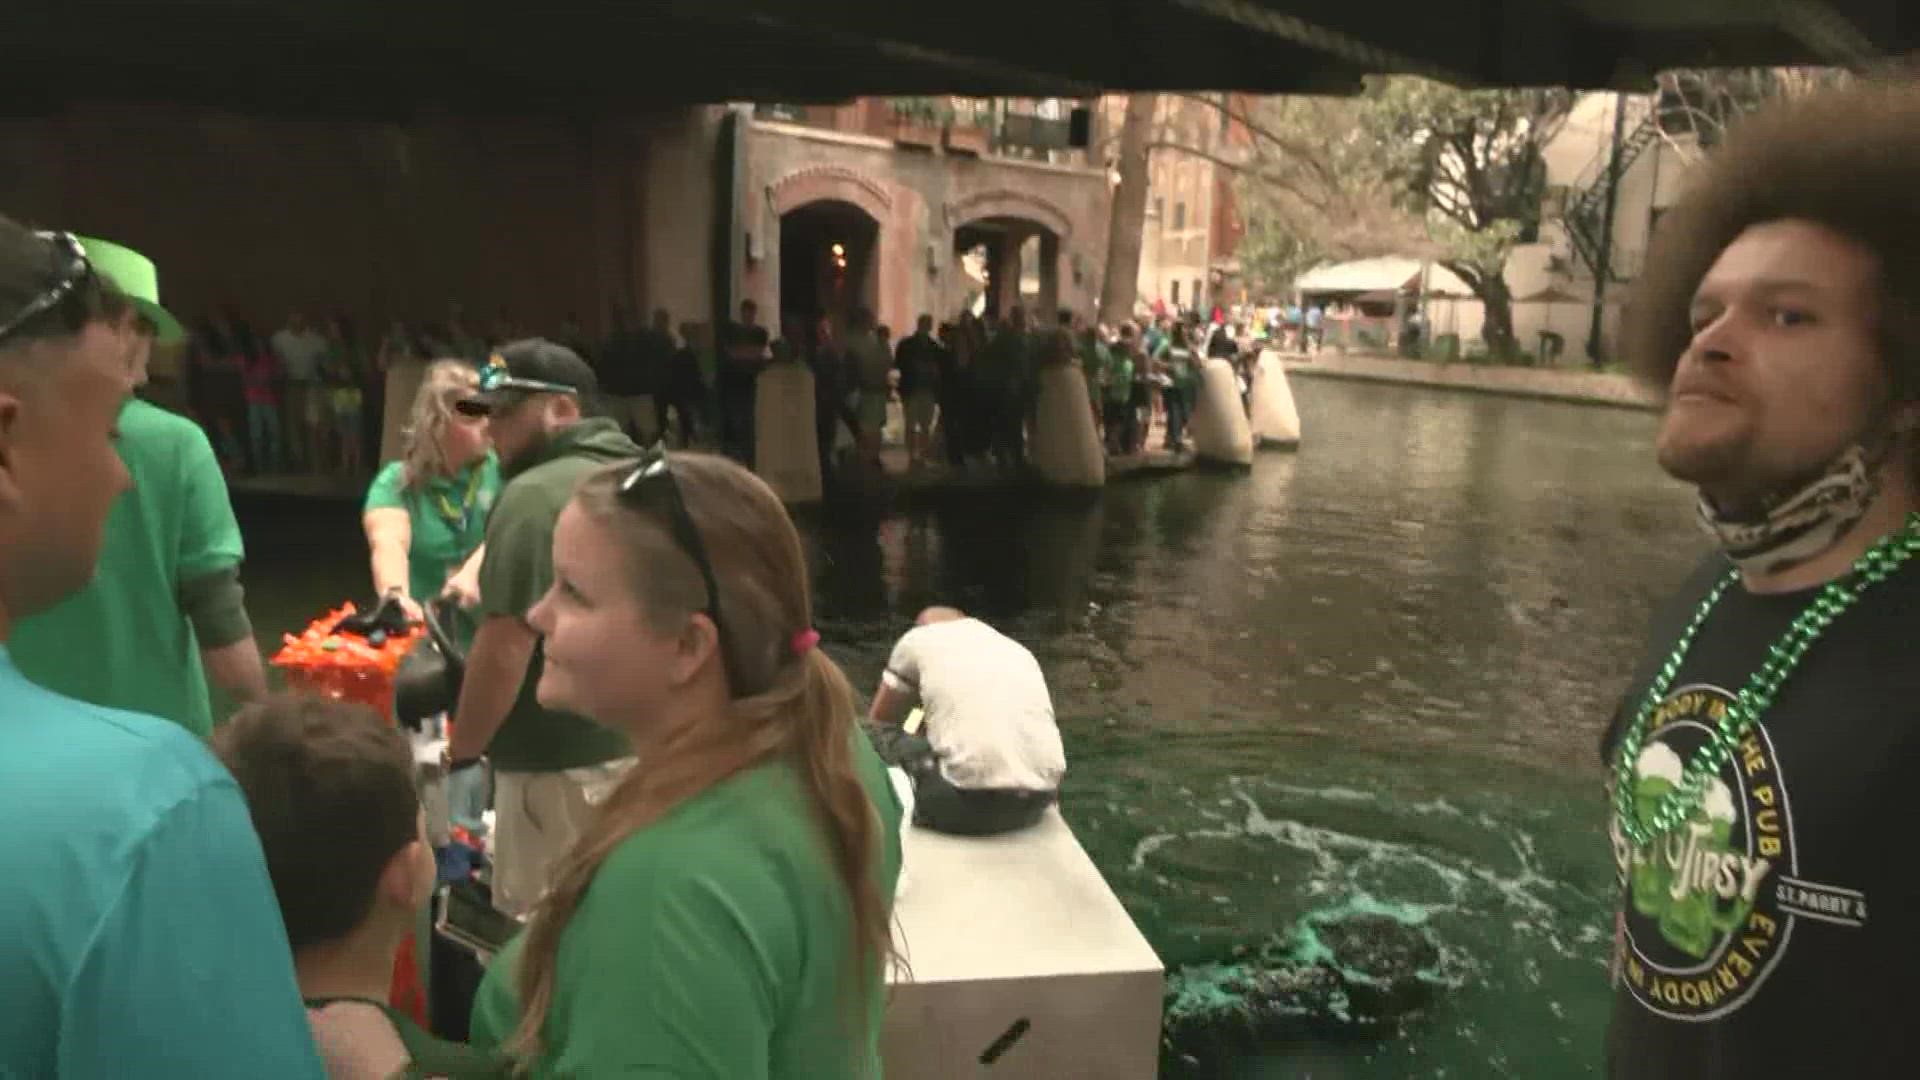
{"x": 134, "y": 274}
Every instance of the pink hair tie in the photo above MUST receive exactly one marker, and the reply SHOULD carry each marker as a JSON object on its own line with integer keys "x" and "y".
{"x": 805, "y": 640}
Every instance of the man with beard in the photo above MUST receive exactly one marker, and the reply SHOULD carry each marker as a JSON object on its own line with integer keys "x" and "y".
{"x": 551, "y": 768}
{"x": 1765, "y": 924}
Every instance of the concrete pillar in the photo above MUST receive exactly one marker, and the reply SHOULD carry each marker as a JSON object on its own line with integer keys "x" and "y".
{"x": 1003, "y": 282}
{"x": 1049, "y": 277}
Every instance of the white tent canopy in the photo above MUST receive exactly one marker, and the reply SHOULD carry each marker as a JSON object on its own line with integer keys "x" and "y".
{"x": 1385, "y": 273}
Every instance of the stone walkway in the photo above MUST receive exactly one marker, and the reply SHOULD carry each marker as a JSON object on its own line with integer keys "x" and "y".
{"x": 1585, "y": 387}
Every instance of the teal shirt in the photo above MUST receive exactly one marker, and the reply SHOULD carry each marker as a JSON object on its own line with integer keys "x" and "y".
{"x": 714, "y": 944}
{"x": 139, "y": 935}
{"x": 123, "y": 641}
{"x": 449, "y": 518}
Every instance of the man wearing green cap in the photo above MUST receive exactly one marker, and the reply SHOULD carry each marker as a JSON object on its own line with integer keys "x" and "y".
{"x": 166, "y": 600}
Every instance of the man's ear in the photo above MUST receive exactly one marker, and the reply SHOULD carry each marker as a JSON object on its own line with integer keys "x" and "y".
{"x": 562, "y": 409}
{"x": 1906, "y": 418}
{"x": 400, "y": 879}
{"x": 11, "y": 415}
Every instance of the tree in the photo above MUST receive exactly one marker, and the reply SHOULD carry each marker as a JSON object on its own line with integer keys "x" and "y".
{"x": 1473, "y": 164}
{"x": 1128, "y": 219}
{"x": 1698, "y": 106}
{"x": 1312, "y": 185}
{"x": 1406, "y": 167}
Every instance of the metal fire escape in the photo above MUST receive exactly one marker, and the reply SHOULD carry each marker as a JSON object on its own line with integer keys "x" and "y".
{"x": 1586, "y": 214}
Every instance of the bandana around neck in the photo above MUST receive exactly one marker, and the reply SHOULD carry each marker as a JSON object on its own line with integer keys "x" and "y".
{"x": 1804, "y": 523}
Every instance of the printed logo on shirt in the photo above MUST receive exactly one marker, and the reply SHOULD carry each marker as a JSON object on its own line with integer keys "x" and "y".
{"x": 1709, "y": 907}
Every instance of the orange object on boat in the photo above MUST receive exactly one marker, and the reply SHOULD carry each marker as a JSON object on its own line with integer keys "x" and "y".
{"x": 344, "y": 666}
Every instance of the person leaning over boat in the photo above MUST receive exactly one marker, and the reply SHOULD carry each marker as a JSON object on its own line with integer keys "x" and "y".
{"x": 165, "y": 610}
{"x": 426, "y": 514}
{"x": 550, "y": 766}
{"x": 138, "y": 935}
{"x": 1763, "y": 761}
{"x": 726, "y": 914}
{"x": 990, "y": 760}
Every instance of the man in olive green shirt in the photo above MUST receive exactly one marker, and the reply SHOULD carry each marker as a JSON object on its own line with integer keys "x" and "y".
{"x": 166, "y": 598}
{"x": 551, "y": 767}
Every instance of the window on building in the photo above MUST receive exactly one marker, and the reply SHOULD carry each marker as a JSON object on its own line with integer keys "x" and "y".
{"x": 1196, "y": 292}
{"x": 1173, "y": 290}
{"x": 1180, "y": 215}
{"x": 1159, "y": 207}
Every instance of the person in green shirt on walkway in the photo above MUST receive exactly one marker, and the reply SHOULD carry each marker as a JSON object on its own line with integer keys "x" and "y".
{"x": 1122, "y": 418}
{"x": 1182, "y": 366}
{"x": 165, "y": 610}
{"x": 726, "y": 915}
{"x": 329, "y": 787}
{"x": 426, "y": 514}
{"x": 551, "y": 766}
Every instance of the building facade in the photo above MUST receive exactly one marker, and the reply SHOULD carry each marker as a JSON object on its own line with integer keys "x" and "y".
{"x": 916, "y": 206}
{"x": 528, "y": 224}
{"x": 1193, "y": 225}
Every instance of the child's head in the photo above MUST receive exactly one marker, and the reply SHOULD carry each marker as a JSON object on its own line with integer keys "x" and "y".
{"x": 330, "y": 788}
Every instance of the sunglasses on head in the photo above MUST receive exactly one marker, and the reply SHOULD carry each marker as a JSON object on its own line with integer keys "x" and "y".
{"x": 655, "y": 470}
{"x": 497, "y": 377}
{"x": 71, "y": 268}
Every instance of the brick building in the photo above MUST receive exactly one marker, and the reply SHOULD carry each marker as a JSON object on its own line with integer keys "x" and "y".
{"x": 913, "y": 206}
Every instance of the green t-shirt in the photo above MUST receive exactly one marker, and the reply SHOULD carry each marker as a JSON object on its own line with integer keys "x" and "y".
{"x": 123, "y": 641}
{"x": 517, "y": 572}
{"x": 712, "y": 944}
{"x": 449, "y": 516}
{"x": 1120, "y": 379}
{"x": 1185, "y": 369}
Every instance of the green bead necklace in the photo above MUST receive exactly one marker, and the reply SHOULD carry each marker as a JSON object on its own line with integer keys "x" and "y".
{"x": 1677, "y": 805}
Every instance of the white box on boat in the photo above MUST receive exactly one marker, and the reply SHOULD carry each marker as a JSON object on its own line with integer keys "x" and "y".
{"x": 1000, "y": 930}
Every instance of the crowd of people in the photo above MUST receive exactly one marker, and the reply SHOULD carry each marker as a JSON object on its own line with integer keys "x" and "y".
{"x": 698, "y": 830}
{"x": 967, "y": 389}
{"x": 310, "y": 397}
{"x": 624, "y": 605}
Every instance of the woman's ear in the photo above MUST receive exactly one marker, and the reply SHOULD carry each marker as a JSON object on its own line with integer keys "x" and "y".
{"x": 699, "y": 643}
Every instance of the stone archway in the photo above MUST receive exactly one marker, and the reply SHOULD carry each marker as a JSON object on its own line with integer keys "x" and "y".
{"x": 815, "y": 210}
{"x": 1009, "y": 204}
{"x": 829, "y": 263}
{"x": 1016, "y": 229}
{"x": 824, "y": 183}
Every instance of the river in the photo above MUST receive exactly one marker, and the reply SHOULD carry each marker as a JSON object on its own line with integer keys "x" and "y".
{"x": 1373, "y": 670}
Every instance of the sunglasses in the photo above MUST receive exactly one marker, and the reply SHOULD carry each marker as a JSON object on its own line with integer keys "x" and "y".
{"x": 654, "y": 469}
{"x": 71, "y": 268}
{"x": 496, "y": 377}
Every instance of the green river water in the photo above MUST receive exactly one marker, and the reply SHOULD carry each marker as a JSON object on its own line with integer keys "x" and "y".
{"x": 1371, "y": 671}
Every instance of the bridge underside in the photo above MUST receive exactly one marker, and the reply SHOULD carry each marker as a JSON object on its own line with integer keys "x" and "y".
{"x": 380, "y": 60}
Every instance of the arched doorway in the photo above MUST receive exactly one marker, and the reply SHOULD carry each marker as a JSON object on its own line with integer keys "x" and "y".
{"x": 1007, "y": 249}
{"x": 1003, "y": 261}
{"x": 829, "y": 261}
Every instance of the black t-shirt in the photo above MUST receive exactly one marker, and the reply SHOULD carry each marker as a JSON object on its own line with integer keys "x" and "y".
{"x": 1777, "y": 933}
{"x": 745, "y": 348}
{"x": 918, "y": 358}
{"x": 619, "y": 365}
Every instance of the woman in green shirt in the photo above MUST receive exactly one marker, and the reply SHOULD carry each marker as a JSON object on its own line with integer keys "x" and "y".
{"x": 726, "y": 914}
{"x": 427, "y": 513}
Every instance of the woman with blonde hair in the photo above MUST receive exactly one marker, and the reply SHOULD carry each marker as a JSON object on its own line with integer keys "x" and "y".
{"x": 727, "y": 913}
{"x": 426, "y": 513}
